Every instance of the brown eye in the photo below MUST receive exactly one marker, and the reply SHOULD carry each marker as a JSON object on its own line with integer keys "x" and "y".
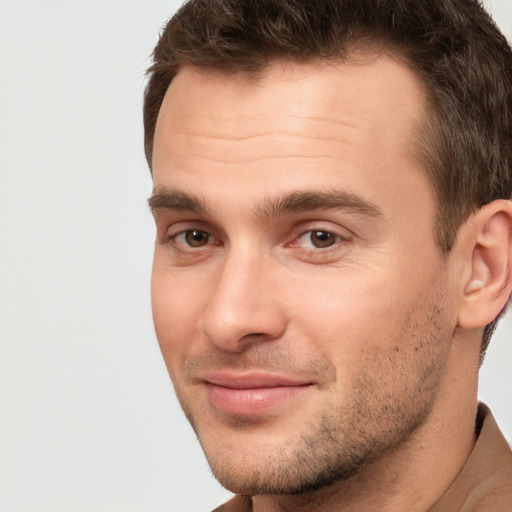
{"x": 321, "y": 239}
{"x": 195, "y": 238}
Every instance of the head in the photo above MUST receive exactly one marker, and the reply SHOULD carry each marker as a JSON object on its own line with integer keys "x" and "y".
{"x": 454, "y": 48}
{"x": 357, "y": 254}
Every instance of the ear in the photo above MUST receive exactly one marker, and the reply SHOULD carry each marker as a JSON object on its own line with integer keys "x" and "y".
{"x": 487, "y": 252}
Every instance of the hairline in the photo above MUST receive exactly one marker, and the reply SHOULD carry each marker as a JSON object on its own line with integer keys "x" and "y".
{"x": 420, "y": 148}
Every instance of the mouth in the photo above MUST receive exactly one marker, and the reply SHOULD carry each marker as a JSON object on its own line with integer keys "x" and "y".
{"x": 252, "y": 394}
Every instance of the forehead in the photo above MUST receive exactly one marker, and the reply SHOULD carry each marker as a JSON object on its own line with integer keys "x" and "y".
{"x": 375, "y": 85}
{"x": 352, "y": 122}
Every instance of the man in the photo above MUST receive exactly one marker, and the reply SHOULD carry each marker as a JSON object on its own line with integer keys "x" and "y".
{"x": 332, "y": 185}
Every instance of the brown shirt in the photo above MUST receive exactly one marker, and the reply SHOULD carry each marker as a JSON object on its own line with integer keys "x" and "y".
{"x": 483, "y": 485}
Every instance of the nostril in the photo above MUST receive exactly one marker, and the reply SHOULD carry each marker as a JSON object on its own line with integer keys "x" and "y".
{"x": 255, "y": 338}
{"x": 258, "y": 335}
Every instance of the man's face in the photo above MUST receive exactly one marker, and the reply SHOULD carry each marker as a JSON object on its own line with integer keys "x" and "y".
{"x": 300, "y": 301}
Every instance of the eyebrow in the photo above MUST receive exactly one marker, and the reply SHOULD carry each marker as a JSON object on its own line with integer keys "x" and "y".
{"x": 293, "y": 202}
{"x": 175, "y": 200}
{"x": 303, "y": 201}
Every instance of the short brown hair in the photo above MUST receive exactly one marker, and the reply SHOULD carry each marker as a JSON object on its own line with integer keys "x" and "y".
{"x": 454, "y": 47}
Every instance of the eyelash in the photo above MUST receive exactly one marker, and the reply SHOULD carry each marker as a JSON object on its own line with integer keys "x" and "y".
{"x": 173, "y": 240}
{"x": 338, "y": 238}
{"x": 181, "y": 250}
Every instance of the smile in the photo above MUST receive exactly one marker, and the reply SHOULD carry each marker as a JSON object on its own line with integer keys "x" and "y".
{"x": 252, "y": 394}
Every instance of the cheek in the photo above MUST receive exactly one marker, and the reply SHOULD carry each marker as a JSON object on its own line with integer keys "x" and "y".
{"x": 177, "y": 305}
{"x": 345, "y": 302}
{"x": 349, "y": 318}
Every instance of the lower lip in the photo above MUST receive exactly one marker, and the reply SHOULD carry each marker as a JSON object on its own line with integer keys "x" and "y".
{"x": 253, "y": 401}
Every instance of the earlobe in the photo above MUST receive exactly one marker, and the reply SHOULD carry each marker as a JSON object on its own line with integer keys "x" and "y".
{"x": 488, "y": 259}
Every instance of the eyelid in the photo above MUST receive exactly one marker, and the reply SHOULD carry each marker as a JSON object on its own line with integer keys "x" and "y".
{"x": 172, "y": 232}
{"x": 325, "y": 226}
{"x": 337, "y": 238}
{"x": 212, "y": 239}
{"x": 172, "y": 227}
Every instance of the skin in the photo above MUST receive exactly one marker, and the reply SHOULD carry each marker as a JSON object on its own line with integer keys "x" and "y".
{"x": 365, "y": 314}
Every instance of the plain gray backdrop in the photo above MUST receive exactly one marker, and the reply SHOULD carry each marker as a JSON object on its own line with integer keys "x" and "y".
{"x": 88, "y": 417}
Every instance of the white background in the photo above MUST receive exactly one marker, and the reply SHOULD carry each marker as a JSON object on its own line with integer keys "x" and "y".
{"x": 88, "y": 420}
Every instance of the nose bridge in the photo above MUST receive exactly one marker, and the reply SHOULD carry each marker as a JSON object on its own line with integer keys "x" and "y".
{"x": 242, "y": 305}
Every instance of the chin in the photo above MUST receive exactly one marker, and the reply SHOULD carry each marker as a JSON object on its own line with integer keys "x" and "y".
{"x": 315, "y": 459}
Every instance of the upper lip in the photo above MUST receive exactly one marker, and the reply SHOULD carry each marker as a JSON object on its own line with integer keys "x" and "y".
{"x": 252, "y": 380}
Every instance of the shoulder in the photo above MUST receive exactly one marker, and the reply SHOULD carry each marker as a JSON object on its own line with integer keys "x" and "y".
{"x": 236, "y": 504}
{"x": 485, "y": 482}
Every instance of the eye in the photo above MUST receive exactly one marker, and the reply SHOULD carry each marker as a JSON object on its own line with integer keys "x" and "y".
{"x": 192, "y": 238}
{"x": 318, "y": 239}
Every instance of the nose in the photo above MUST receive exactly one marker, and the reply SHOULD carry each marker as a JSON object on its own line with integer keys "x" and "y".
{"x": 243, "y": 306}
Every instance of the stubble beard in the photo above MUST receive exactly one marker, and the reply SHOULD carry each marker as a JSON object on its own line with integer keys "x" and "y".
{"x": 355, "y": 430}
